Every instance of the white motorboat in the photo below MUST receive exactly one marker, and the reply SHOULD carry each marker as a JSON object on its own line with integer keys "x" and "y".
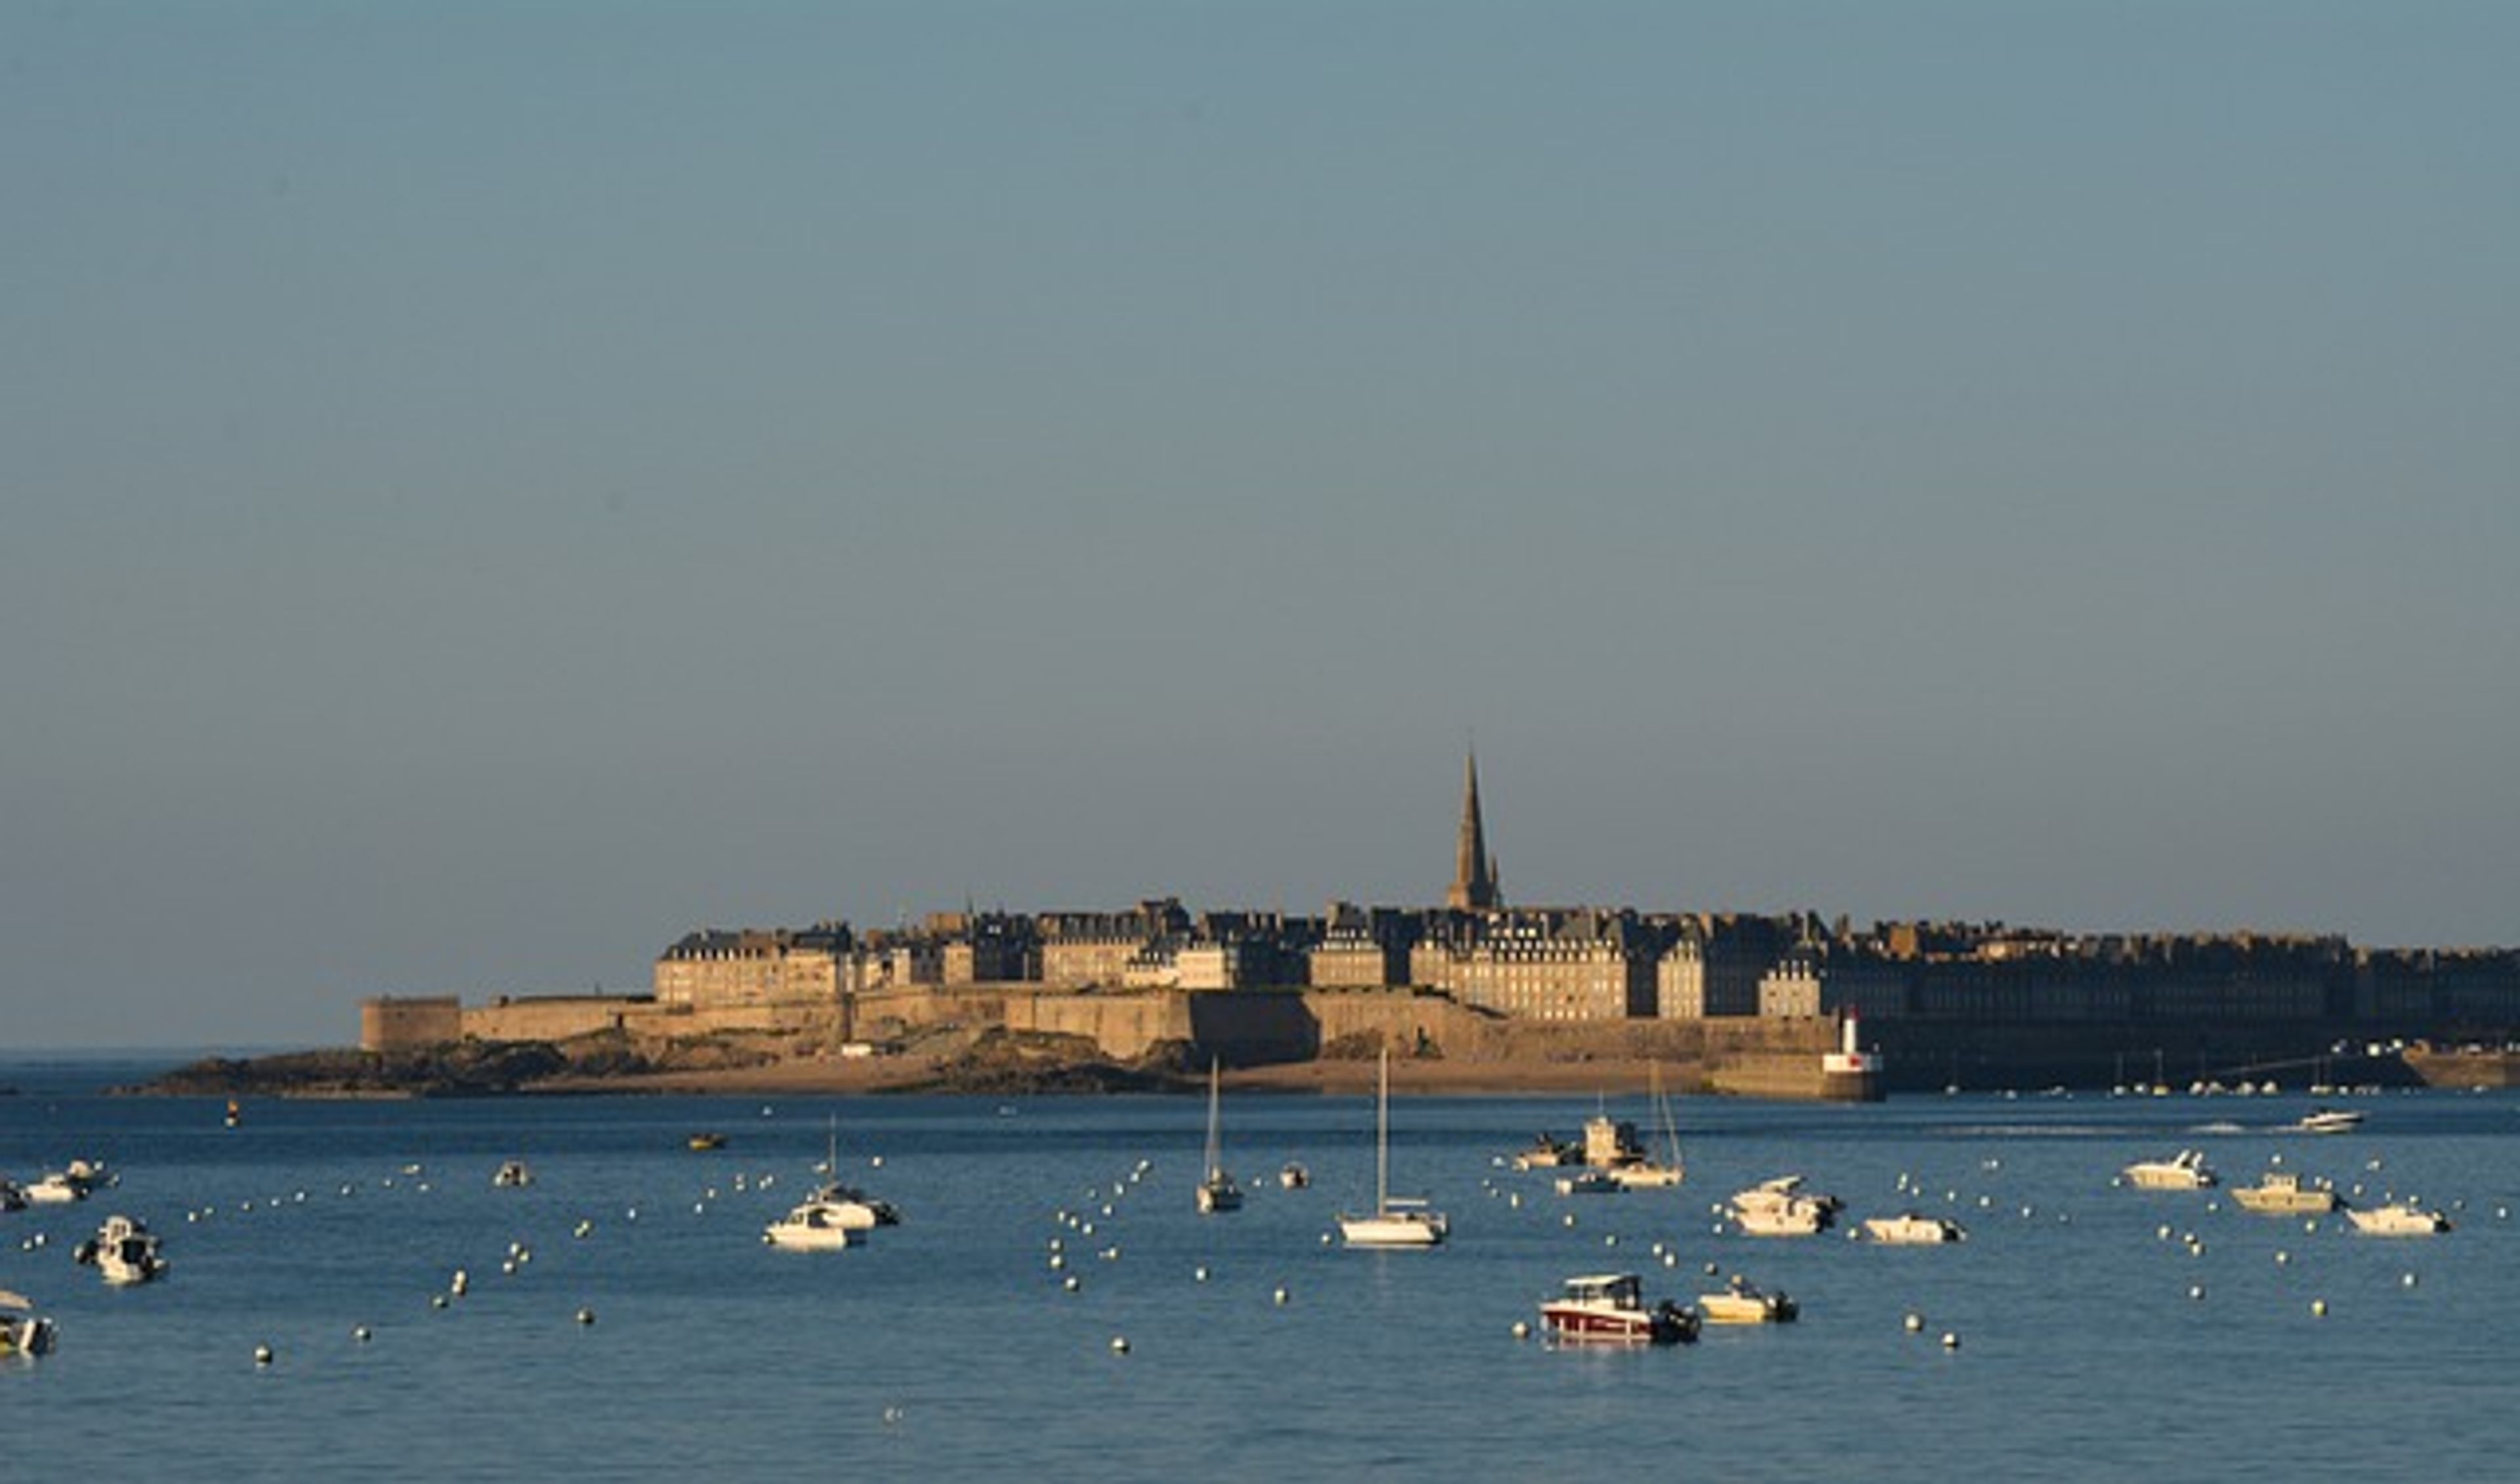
{"x": 2330, "y": 1120}
{"x": 23, "y": 1332}
{"x": 1780, "y": 1208}
{"x": 1610, "y": 1308}
{"x": 1217, "y": 1190}
{"x": 56, "y": 1189}
{"x": 1396, "y": 1221}
{"x": 815, "y": 1226}
{"x": 1911, "y": 1229}
{"x": 2398, "y": 1219}
{"x": 2184, "y": 1171}
{"x": 124, "y": 1251}
{"x": 1744, "y": 1302}
{"x": 2281, "y": 1193}
{"x": 513, "y": 1175}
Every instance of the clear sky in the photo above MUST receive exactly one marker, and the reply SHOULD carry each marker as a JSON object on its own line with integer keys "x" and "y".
{"x": 487, "y": 487}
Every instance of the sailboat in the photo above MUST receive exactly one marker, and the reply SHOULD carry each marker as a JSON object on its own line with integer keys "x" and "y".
{"x": 1648, "y": 1173}
{"x": 1217, "y": 1190}
{"x": 1397, "y": 1221}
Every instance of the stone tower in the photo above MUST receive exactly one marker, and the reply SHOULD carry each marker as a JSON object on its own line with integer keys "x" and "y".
{"x": 1475, "y": 873}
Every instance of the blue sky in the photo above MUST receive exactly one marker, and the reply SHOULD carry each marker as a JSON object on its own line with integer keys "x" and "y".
{"x": 489, "y": 487}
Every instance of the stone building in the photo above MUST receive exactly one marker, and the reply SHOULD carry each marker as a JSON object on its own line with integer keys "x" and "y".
{"x": 712, "y": 969}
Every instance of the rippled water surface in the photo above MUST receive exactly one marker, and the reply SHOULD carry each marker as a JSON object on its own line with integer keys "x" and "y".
{"x": 950, "y": 1347}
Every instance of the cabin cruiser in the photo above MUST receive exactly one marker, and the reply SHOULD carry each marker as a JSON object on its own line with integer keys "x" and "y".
{"x": 854, "y": 1209}
{"x": 1548, "y": 1152}
{"x": 2183, "y": 1171}
{"x": 2401, "y": 1219}
{"x": 2280, "y": 1193}
{"x": 124, "y": 1251}
{"x": 1779, "y": 1207}
{"x": 816, "y": 1226}
{"x": 1744, "y": 1302}
{"x": 23, "y": 1332}
{"x": 1611, "y": 1307}
{"x": 2329, "y": 1120}
{"x": 513, "y": 1175}
{"x": 1913, "y": 1229}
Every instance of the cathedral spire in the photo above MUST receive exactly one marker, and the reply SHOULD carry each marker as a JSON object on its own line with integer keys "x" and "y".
{"x": 1474, "y": 875}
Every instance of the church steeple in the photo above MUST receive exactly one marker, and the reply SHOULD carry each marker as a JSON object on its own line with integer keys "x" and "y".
{"x": 1474, "y": 874}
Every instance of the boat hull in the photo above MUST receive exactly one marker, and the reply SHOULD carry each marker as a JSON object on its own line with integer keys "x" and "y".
{"x": 1584, "y": 1325}
{"x": 1397, "y": 1231}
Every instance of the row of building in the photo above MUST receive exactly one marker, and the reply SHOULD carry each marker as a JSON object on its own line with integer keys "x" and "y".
{"x": 1605, "y": 963}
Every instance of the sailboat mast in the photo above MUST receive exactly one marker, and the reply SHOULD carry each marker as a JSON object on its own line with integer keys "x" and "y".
{"x": 1382, "y": 1138}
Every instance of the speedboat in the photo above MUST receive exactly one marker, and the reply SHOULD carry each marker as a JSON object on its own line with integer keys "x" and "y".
{"x": 701, "y": 1143}
{"x": 1779, "y": 1207}
{"x": 2183, "y": 1171}
{"x": 1744, "y": 1302}
{"x": 2280, "y": 1193}
{"x": 124, "y": 1251}
{"x": 2330, "y": 1120}
{"x": 23, "y": 1332}
{"x": 1611, "y": 1308}
{"x": 1548, "y": 1152}
{"x": 1913, "y": 1229}
{"x": 2401, "y": 1219}
{"x": 56, "y": 1189}
{"x": 816, "y": 1226}
{"x": 1590, "y": 1183}
{"x": 513, "y": 1175}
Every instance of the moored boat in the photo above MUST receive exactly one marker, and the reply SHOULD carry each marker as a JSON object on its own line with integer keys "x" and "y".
{"x": 1217, "y": 1190}
{"x": 813, "y": 1226}
{"x": 1744, "y": 1302}
{"x": 2330, "y": 1120}
{"x": 1780, "y": 1208}
{"x": 1395, "y": 1220}
{"x": 2398, "y": 1219}
{"x": 1590, "y": 1183}
{"x": 1293, "y": 1177}
{"x": 2281, "y": 1193}
{"x": 23, "y": 1332}
{"x": 1911, "y": 1229}
{"x": 55, "y": 1189}
{"x": 1610, "y": 1308}
{"x": 2184, "y": 1171}
{"x": 122, "y": 1251}
{"x": 1546, "y": 1152}
{"x": 513, "y": 1175}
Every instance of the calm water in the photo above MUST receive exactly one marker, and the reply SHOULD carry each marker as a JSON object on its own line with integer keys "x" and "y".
{"x": 947, "y": 1346}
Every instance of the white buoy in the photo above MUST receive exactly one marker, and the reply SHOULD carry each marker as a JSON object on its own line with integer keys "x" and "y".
{"x": 586, "y": 1315}
{"x": 1916, "y": 1324}
{"x": 2318, "y": 1307}
{"x": 1200, "y": 1272}
{"x": 2282, "y": 1258}
{"x": 1119, "y": 1344}
{"x": 891, "y": 1414}
{"x": 263, "y": 1355}
{"x": 2196, "y": 1290}
{"x": 1278, "y": 1297}
{"x": 1521, "y": 1330}
{"x": 1058, "y": 1261}
{"x": 1950, "y": 1339}
{"x": 1073, "y": 1283}
{"x": 438, "y": 1300}
{"x": 360, "y": 1335}
{"x": 2408, "y": 1279}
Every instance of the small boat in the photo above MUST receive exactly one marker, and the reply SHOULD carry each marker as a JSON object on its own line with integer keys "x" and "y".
{"x": 124, "y": 1251}
{"x": 2401, "y": 1219}
{"x": 2183, "y": 1171}
{"x": 1913, "y": 1229}
{"x": 854, "y": 1209}
{"x": 701, "y": 1143}
{"x": 1548, "y": 1152}
{"x": 1293, "y": 1177}
{"x": 1610, "y": 1308}
{"x": 1646, "y": 1173}
{"x": 1609, "y": 1142}
{"x": 1744, "y": 1302}
{"x": 2329, "y": 1120}
{"x": 815, "y": 1226}
{"x": 13, "y": 1196}
{"x": 23, "y": 1332}
{"x": 2280, "y": 1193}
{"x": 1590, "y": 1183}
{"x": 55, "y": 1190}
{"x": 1396, "y": 1221}
{"x": 236, "y": 1114}
{"x": 1217, "y": 1190}
{"x": 513, "y": 1175}
{"x": 1779, "y": 1207}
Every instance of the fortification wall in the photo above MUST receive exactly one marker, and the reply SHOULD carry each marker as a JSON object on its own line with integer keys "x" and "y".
{"x": 393, "y": 1023}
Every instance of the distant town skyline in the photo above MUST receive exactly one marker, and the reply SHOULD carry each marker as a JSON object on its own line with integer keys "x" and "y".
{"x": 490, "y": 490}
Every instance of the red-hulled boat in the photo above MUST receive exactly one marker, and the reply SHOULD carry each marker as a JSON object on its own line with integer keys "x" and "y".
{"x": 1610, "y": 1307}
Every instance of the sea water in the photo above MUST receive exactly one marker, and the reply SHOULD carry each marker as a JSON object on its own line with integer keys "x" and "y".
{"x": 647, "y": 1329}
